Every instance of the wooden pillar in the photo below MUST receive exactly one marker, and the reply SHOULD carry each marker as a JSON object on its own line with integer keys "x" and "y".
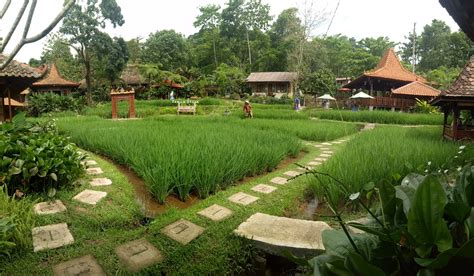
{"x": 10, "y": 111}
{"x": 445, "y": 122}
{"x": 2, "y": 105}
{"x": 455, "y": 122}
{"x": 114, "y": 108}
{"x": 131, "y": 106}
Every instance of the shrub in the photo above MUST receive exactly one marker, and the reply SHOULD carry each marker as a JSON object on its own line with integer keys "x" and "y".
{"x": 45, "y": 103}
{"x": 16, "y": 222}
{"x": 271, "y": 100}
{"x": 36, "y": 158}
{"x": 422, "y": 106}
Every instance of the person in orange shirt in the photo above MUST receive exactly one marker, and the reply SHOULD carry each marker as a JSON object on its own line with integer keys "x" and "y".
{"x": 248, "y": 110}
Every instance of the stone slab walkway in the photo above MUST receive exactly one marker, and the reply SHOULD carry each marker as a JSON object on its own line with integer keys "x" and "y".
{"x": 277, "y": 234}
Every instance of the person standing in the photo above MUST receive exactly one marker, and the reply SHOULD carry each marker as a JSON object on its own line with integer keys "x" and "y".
{"x": 297, "y": 103}
{"x": 248, "y": 110}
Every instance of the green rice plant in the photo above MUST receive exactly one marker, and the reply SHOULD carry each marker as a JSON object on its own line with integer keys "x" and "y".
{"x": 184, "y": 155}
{"x": 16, "y": 221}
{"x": 381, "y": 117}
{"x": 311, "y": 130}
{"x": 384, "y": 154}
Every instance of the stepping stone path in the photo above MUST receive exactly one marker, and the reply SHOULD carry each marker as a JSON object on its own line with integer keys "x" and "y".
{"x": 51, "y": 236}
{"x": 279, "y": 234}
{"x": 182, "y": 231}
{"x": 264, "y": 189}
{"x": 138, "y": 254}
{"x": 85, "y": 265}
{"x": 325, "y": 149}
{"x": 314, "y": 163}
{"x": 90, "y": 196}
{"x": 242, "y": 198}
{"x": 48, "y": 208}
{"x": 215, "y": 212}
{"x": 292, "y": 173}
{"x": 89, "y": 163}
{"x": 368, "y": 127}
{"x": 93, "y": 171}
{"x": 326, "y": 144}
{"x": 325, "y": 155}
{"x": 320, "y": 159}
{"x": 100, "y": 182}
{"x": 279, "y": 180}
{"x": 319, "y": 146}
{"x": 328, "y": 152}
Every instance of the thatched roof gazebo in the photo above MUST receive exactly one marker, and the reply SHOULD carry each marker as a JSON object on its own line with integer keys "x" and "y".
{"x": 15, "y": 78}
{"x": 272, "y": 83}
{"x": 131, "y": 76}
{"x": 458, "y": 98}
{"x": 55, "y": 83}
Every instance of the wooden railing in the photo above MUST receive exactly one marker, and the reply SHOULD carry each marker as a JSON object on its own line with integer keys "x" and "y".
{"x": 386, "y": 102}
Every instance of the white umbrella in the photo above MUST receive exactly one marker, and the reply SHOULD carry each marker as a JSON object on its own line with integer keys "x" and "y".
{"x": 361, "y": 95}
{"x": 326, "y": 97}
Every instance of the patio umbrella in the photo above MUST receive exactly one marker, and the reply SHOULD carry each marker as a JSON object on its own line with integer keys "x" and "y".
{"x": 326, "y": 97}
{"x": 361, "y": 95}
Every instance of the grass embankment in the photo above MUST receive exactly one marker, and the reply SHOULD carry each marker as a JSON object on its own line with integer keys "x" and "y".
{"x": 174, "y": 155}
{"x": 380, "y": 117}
{"x": 380, "y": 154}
{"x": 115, "y": 220}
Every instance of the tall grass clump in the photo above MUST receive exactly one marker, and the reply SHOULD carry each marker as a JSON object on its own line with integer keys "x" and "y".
{"x": 311, "y": 130}
{"x": 380, "y": 117}
{"x": 16, "y": 221}
{"x": 384, "y": 154}
{"x": 184, "y": 155}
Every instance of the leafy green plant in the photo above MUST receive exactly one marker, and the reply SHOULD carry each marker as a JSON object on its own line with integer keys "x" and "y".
{"x": 35, "y": 158}
{"x": 16, "y": 222}
{"x": 422, "y": 106}
{"x": 423, "y": 226}
{"x": 42, "y": 103}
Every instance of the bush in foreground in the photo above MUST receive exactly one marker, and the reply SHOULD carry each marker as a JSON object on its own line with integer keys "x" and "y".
{"x": 35, "y": 158}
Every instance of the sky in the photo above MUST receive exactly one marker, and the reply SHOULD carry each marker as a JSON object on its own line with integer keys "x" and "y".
{"x": 354, "y": 18}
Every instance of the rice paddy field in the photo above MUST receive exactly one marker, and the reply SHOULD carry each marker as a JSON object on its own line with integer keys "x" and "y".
{"x": 380, "y": 117}
{"x": 385, "y": 154}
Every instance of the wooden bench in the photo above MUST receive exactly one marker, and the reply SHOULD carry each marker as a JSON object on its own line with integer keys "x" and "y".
{"x": 187, "y": 108}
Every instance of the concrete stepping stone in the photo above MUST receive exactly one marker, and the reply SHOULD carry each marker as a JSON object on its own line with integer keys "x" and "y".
{"x": 183, "y": 231}
{"x": 319, "y": 146}
{"x": 264, "y": 189}
{"x": 51, "y": 236}
{"x": 48, "y": 208}
{"x": 138, "y": 254}
{"x": 307, "y": 168}
{"x": 279, "y": 180}
{"x": 215, "y": 212}
{"x": 292, "y": 173}
{"x": 93, "y": 171}
{"x": 81, "y": 266}
{"x": 89, "y": 163}
{"x": 90, "y": 196}
{"x": 328, "y": 152}
{"x": 325, "y": 155}
{"x": 323, "y": 149}
{"x": 314, "y": 163}
{"x": 337, "y": 142}
{"x": 320, "y": 159}
{"x": 279, "y": 234}
{"x": 242, "y": 198}
{"x": 100, "y": 182}
{"x": 326, "y": 144}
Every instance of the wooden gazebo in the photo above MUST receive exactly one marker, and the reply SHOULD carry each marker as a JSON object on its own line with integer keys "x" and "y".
{"x": 457, "y": 99}
{"x": 15, "y": 78}
{"x": 55, "y": 83}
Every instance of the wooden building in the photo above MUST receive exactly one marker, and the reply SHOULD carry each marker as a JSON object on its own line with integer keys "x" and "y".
{"x": 54, "y": 83}
{"x": 392, "y": 85}
{"x": 458, "y": 101}
{"x": 272, "y": 84}
{"x": 14, "y": 79}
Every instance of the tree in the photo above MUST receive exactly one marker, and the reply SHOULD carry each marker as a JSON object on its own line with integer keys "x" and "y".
{"x": 434, "y": 45}
{"x": 134, "y": 50}
{"x": 209, "y": 21}
{"x": 229, "y": 79}
{"x": 320, "y": 82}
{"x": 442, "y": 77}
{"x": 166, "y": 48}
{"x": 68, "y": 4}
{"x": 82, "y": 28}
{"x": 256, "y": 16}
{"x": 56, "y": 50}
{"x": 114, "y": 56}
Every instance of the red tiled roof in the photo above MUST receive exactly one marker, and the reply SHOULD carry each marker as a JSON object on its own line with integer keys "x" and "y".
{"x": 464, "y": 84}
{"x": 55, "y": 79}
{"x": 272, "y": 77}
{"x": 417, "y": 89}
{"x": 20, "y": 70}
{"x": 389, "y": 67}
